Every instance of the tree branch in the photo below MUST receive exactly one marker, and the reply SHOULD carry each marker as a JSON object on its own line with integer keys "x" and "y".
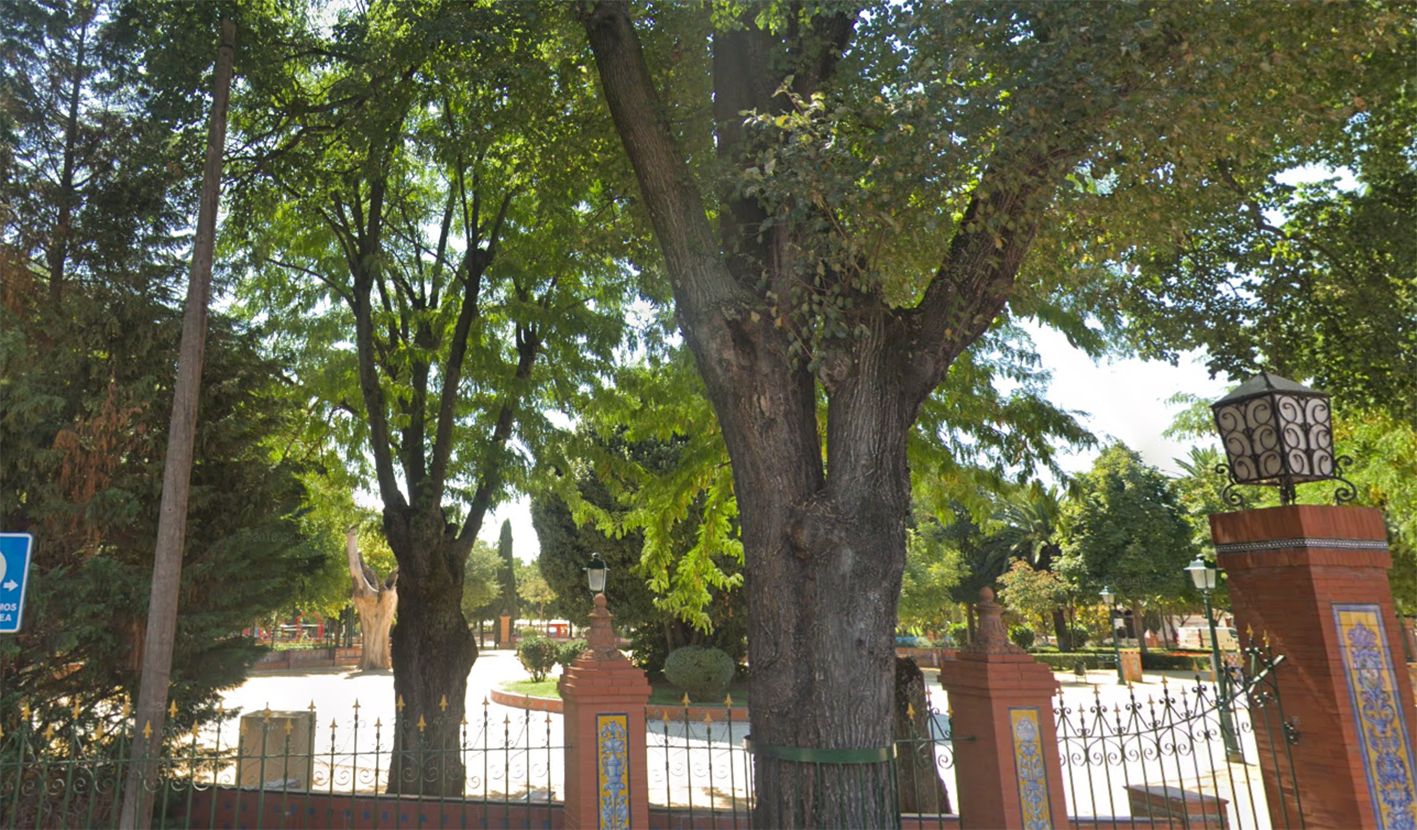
{"x": 330, "y": 284}
{"x": 362, "y": 267}
{"x": 477, "y": 261}
{"x": 528, "y": 347}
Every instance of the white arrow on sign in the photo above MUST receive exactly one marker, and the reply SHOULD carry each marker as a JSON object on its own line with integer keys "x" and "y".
{"x": 11, "y": 585}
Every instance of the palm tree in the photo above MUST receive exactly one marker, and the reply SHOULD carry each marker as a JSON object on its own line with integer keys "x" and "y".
{"x": 1026, "y": 528}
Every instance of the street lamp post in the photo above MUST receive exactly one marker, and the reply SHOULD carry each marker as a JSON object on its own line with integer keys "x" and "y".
{"x": 1204, "y": 578}
{"x": 1108, "y": 598}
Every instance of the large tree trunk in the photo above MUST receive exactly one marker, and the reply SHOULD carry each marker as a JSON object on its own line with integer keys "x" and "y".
{"x": 824, "y": 679}
{"x": 375, "y": 601}
{"x": 823, "y": 651}
{"x": 433, "y": 650}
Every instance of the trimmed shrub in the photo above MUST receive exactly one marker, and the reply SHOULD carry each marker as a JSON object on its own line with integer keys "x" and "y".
{"x": 567, "y": 653}
{"x": 959, "y": 634}
{"x": 1022, "y": 636}
{"x": 1174, "y": 660}
{"x": 704, "y": 673}
{"x": 1080, "y": 638}
{"x": 537, "y": 655}
{"x": 1068, "y": 660}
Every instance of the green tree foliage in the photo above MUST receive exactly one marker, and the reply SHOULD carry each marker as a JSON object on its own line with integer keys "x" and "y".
{"x": 537, "y": 655}
{"x": 482, "y": 587}
{"x": 507, "y": 573}
{"x": 532, "y": 588}
{"x": 933, "y": 572}
{"x": 1033, "y": 594}
{"x": 1311, "y": 279}
{"x": 84, "y": 172}
{"x": 902, "y": 178}
{"x": 425, "y": 225}
{"x": 104, "y": 106}
{"x": 669, "y": 594}
{"x": 1126, "y": 530}
{"x": 82, "y": 439}
{"x": 1026, "y": 526}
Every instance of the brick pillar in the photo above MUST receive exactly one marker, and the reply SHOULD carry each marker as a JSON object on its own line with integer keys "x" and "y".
{"x": 1007, "y": 769}
{"x": 504, "y": 631}
{"x": 604, "y": 697}
{"x": 1313, "y": 580}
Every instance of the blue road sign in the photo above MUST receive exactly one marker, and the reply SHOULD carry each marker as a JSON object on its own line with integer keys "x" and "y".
{"x": 15, "y": 549}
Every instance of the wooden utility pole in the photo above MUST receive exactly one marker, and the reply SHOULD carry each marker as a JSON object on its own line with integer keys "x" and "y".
{"x": 136, "y": 810}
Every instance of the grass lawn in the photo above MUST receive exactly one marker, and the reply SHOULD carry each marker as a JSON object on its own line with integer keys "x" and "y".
{"x": 532, "y": 688}
{"x": 661, "y": 694}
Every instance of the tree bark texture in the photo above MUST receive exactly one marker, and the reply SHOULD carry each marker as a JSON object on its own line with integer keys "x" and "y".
{"x": 823, "y": 652}
{"x": 433, "y": 651}
{"x": 375, "y": 601}
{"x": 150, "y": 714}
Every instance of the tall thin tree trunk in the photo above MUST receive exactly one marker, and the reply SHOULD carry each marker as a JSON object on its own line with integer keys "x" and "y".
{"x": 161, "y": 633}
{"x": 57, "y": 254}
{"x": 1062, "y": 631}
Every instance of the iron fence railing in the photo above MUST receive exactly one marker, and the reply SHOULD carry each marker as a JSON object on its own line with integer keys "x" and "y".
{"x": 1183, "y": 755}
{"x": 287, "y": 769}
{"x": 1189, "y": 753}
{"x": 701, "y": 772}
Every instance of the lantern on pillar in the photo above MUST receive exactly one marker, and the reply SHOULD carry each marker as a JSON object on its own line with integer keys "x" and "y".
{"x": 1277, "y": 433}
{"x": 595, "y": 574}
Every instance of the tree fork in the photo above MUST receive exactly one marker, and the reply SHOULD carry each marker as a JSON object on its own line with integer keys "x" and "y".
{"x": 150, "y": 715}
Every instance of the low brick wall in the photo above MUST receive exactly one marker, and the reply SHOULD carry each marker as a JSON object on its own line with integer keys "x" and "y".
{"x": 521, "y": 701}
{"x": 718, "y": 714}
{"x": 301, "y": 658}
{"x": 229, "y": 808}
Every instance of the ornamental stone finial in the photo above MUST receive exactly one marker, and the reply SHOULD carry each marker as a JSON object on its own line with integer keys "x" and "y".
{"x": 991, "y": 637}
{"x": 601, "y": 638}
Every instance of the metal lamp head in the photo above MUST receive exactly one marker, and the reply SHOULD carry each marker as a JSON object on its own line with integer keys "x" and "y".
{"x": 595, "y": 574}
{"x": 1277, "y": 433}
{"x": 1201, "y": 574}
{"x": 1107, "y": 596}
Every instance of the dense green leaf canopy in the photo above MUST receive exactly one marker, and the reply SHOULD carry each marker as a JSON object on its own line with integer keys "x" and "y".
{"x": 1127, "y": 531}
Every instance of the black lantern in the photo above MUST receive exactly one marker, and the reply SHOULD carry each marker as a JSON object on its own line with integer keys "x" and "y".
{"x": 595, "y": 574}
{"x": 1277, "y": 433}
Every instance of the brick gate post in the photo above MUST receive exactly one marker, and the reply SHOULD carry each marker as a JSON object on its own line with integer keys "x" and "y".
{"x": 1313, "y": 579}
{"x": 604, "y": 697}
{"x": 1007, "y": 768}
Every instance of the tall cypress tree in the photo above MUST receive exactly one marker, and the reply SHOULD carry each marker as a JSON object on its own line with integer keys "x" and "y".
{"x": 509, "y": 571}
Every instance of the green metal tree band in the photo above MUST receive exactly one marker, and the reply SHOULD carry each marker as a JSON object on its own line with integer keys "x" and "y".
{"x": 812, "y": 755}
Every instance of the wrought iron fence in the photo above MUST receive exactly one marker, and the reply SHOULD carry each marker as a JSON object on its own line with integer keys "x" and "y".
{"x": 1188, "y": 754}
{"x": 285, "y": 769}
{"x": 701, "y": 772}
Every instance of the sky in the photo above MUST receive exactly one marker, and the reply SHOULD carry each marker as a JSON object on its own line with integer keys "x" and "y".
{"x": 1124, "y": 400}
